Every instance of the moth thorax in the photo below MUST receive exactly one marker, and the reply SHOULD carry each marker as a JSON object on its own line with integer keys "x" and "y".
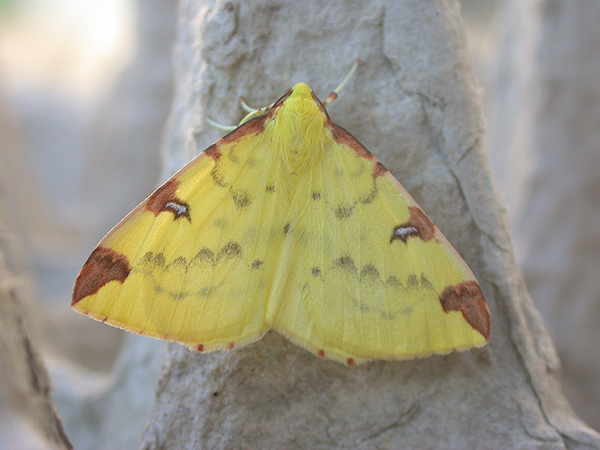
{"x": 299, "y": 136}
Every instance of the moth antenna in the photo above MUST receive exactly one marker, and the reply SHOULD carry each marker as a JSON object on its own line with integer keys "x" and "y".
{"x": 334, "y": 94}
{"x": 246, "y": 107}
{"x": 218, "y": 126}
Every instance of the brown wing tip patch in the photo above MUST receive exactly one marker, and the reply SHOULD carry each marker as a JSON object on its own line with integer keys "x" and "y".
{"x": 231, "y": 345}
{"x": 199, "y": 348}
{"x": 321, "y": 353}
{"x": 103, "y": 266}
{"x": 467, "y": 298}
{"x": 350, "y": 362}
{"x": 164, "y": 199}
{"x": 418, "y": 225}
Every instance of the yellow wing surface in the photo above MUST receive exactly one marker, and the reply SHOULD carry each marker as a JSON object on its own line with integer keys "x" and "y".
{"x": 286, "y": 223}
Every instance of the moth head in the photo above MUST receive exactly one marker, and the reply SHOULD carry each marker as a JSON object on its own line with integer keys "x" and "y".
{"x": 299, "y": 112}
{"x": 303, "y": 100}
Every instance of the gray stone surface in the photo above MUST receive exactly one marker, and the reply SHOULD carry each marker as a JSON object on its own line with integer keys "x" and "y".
{"x": 415, "y": 104}
{"x": 109, "y": 412}
{"x": 547, "y": 133}
{"x": 28, "y": 418}
{"x": 122, "y": 165}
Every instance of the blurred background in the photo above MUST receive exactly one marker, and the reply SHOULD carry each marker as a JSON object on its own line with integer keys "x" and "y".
{"x": 85, "y": 90}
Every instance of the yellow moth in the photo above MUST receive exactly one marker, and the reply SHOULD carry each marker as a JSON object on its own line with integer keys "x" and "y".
{"x": 286, "y": 223}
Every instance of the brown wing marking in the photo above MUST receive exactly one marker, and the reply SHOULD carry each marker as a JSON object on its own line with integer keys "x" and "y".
{"x": 467, "y": 298}
{"x": 165, "y": 199}
{"x": 342, "y": 136}
{"x": 418, "y": 225}
{"x": 251, "y": 127}
{"x": 379, "y": 170}
{"x": 103, "y": 265}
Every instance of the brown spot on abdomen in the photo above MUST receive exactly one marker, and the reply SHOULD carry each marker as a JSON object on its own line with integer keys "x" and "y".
{"x": 103, "y": 266}
{"x": 467, "y": 298}
{"x": 418, "y": 225}
{"x": 164, "y": 199}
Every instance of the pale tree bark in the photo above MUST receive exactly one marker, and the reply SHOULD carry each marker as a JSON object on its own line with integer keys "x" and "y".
{"x": 554, "y": 96}
{"x": 414, "y": 103}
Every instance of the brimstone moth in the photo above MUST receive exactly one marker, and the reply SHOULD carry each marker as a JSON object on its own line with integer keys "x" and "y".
{"x": 286, "y": 223}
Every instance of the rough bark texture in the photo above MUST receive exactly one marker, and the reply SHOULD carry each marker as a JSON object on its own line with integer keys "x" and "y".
{"x": 556, "y": 91}
{"x": 414, "y": 103}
